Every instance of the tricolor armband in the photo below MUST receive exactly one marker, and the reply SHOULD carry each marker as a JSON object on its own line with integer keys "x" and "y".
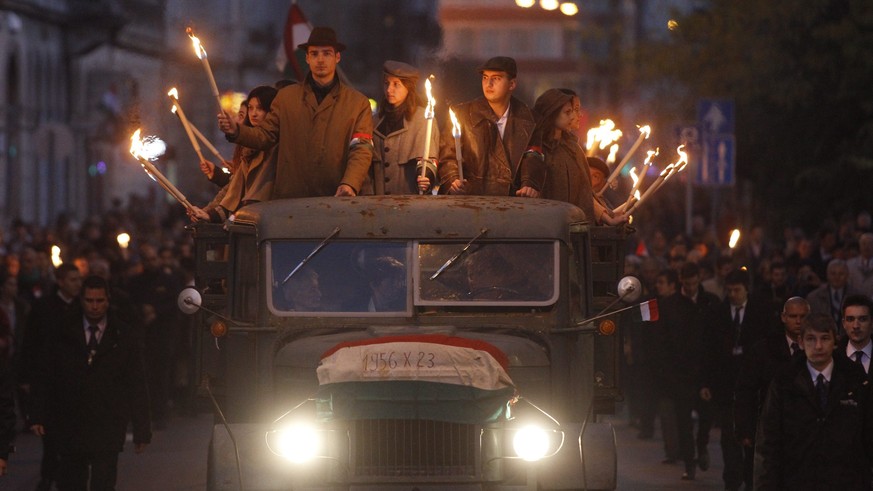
{"x": 534, "y": 151}
{"x": 361, "y": 139}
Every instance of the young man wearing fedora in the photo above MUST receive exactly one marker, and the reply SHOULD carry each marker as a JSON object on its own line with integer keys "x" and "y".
{"x": 495, "y": 132}
{"x": 322, "y": 126}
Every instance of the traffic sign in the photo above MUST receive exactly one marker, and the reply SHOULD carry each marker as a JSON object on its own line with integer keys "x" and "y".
{"x": 716, "y": 116}
{"x": 719, "y": 161}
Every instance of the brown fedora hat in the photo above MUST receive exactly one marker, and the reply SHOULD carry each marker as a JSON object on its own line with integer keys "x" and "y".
{"x": 323, "y": 36}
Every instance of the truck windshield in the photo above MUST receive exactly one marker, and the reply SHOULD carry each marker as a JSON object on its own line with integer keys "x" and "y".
{"x": 488, "y": 273}
{"x": 361, "y": 277}
{"x": 374, "y": 278}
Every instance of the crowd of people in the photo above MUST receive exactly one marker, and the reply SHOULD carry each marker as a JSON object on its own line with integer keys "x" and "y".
{"x": 731, "y": 320}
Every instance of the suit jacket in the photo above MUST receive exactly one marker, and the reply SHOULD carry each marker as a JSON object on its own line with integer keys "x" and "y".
{"x": 802, "y": 446}
{"x": 725, "y": 351}
{"x": 677, "y": 346}
{"x": 820, "y": 301}
{"x": 7, "y": 410}
{"x": 764, "y": 360}
{"x": 44, "y": 317}
{"x": 492, "y": 165}
{"x": 87, "y": 407}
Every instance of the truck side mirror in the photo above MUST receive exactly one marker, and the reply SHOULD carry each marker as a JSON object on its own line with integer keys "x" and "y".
{"x": 629, "y": 289}
{"x": 189, "y": 300}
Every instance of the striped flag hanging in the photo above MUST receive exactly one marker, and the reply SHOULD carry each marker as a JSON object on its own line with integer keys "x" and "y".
{"x": 296, "y": 32}
{"x": 436, "y": 377}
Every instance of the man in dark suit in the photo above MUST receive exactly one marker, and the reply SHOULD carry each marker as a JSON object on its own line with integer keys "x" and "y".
{"x": 816, "y": 429}
{"x": 856, "y": 319}
{"x": 764, "y": 360}
{"x": 678, "y": 351}
{"x": 739, "y": 323}
{"x": 92, "y": 385}
{"x": 42, "y": 324}
{"x": 705, "y": 305}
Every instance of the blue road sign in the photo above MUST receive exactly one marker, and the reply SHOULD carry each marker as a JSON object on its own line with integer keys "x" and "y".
{"x": 719, "y": 161}
{"x": 716, "y": 116}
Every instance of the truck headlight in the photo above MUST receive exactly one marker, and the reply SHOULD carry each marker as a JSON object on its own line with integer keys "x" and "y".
{"x": 531, "y": 443}
{"x": 299, "y": 443}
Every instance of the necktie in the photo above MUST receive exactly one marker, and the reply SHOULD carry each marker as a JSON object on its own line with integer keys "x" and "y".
{"x": 92, "y": 340}
{"x": 736, "y": 316}
{"x": 859, "y": 358}
{"x": 794, "y": 348}
{"x": 821, "y": 390}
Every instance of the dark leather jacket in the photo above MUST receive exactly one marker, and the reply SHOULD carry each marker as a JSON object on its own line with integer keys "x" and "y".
{"x": 491, "y": 165}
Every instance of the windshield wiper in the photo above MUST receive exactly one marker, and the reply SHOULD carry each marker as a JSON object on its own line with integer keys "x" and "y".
{"x": 457, "y": 255}
{"x": 311, "y": 254}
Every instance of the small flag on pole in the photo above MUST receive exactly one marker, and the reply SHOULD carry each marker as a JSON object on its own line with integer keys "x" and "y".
{"x": 649, "y": 310}
{"x": 296, "y": 32}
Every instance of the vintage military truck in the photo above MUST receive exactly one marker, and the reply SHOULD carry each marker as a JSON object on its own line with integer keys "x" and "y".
{"x": 408, "y": 343}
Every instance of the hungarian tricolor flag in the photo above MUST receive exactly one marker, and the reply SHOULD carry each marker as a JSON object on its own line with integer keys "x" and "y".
{"x": 649, "y": 310}
{"x": 433, "y": 377}
{"x": 296, "y": 32}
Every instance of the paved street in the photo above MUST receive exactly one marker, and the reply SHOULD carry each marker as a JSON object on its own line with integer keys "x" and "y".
{"x": 176, "y": 461}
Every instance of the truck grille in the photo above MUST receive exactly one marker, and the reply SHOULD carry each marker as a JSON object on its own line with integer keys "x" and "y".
{"x": 416, "y": 448}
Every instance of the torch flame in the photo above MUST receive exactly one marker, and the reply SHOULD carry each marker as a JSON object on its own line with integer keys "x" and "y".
{"x": 735, "y": 238}
{"x": 637, "y": 195}
{"x": 173, "y": 93}
{"x": 456, "y": 126}
{"x": 606, "y": 134}
{"x": 633, "y": 174}
{"x": 651, "y": 154}
{"x": 123, "y": 240}
{"x": 667, "y": 172}
{"x": 647, "y": 130}
{"x": 429, "y": 110}
{"x": 198, "y": 48}
{"x": 613, "y": 151}
{"x": 149, "y": 148}
{"x": 683, "y": 159}
{"x": 56, "y": 256}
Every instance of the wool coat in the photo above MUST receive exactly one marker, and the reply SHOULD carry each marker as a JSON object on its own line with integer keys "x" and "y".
{"x": 315, "y": 154}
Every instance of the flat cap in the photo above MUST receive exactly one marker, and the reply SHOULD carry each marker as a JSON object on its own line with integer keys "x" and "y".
{"x": 599, "y": 164}
{"x": 500, "y": 64}
{"x": 400, "y": 70}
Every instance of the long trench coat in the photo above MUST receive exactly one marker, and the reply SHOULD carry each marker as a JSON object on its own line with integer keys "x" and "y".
{"x": 315, "y": 154}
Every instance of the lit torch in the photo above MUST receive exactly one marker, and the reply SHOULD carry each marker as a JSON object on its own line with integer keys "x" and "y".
{"x": 645, "y": 131}
{"x": 190, "y": 129}
{"x": 456, "y": 133}
{"x": 56, "y": 256}
{"x": 735, "y": 238}
{"x": 123, "y": 240}
{"x": 150, "y": 149}
{"x": 177, "y": 110}
{"x": 634, "y": 195}
{"x": 601, "y": 137}
{"x": 201, "y": 53}
{"x": 668, "y": 171}
{"x": 428, "y": 115}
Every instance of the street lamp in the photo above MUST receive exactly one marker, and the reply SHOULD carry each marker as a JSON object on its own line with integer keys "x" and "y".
{"x": 569, "y": 9}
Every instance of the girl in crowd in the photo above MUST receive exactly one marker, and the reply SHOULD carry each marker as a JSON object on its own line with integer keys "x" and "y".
{"x": 255, "y": 170}
{"x": 399, "y": 134}
{"x": 567, "y": 173}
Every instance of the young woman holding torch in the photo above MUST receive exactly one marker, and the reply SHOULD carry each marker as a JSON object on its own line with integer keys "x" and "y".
{"x": 567, "y": 174}
{"x": 400, "y": 132}
{"x": 255, "y": 170}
